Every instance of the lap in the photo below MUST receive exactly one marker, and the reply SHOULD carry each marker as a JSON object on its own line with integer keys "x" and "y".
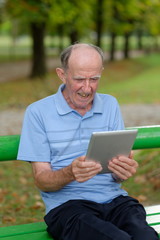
{"x": 123, "y": 214}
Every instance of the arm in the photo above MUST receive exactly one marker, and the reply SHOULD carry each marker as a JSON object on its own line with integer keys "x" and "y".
{"x": 123, "y": 167}
{"x": 48, "y": 180}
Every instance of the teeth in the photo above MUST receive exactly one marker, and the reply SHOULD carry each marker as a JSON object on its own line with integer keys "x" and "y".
{"x": 83, "y": 94}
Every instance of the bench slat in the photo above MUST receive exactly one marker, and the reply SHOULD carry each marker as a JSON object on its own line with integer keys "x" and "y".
{"x": 153, "y": 209}
{"x": 37, "y": 231}
{"x": 29, "y": 236}
{"x": 154, "y": 219}
{"x": 22, "y": 229}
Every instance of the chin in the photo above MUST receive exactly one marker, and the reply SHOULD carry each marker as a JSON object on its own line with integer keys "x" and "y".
{"x": 84, "y": 106}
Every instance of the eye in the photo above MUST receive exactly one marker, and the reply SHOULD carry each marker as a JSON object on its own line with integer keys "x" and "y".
{"x": 94, "y": 79}
{"x": 79, "y": 80}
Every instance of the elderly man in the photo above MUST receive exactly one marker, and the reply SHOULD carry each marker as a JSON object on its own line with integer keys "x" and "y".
{"x": 81, "y": 203}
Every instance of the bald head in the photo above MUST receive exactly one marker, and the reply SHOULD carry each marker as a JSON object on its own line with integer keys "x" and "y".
{"x": 80, "y": 50}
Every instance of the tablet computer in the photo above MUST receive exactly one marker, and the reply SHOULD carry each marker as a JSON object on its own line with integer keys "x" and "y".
{"x": 103, "y": 146}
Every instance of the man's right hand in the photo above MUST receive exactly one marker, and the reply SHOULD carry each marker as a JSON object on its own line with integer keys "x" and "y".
{"x": 49, "y": 180}
{"x": 83, "y": 170}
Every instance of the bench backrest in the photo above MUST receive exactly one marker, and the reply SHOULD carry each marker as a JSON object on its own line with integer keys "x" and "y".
{"x": 147, "y": 137}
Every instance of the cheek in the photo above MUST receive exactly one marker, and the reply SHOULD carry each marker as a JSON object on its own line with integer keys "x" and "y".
{"x": 94, "y": 87}
{"x": 74, "y": 88}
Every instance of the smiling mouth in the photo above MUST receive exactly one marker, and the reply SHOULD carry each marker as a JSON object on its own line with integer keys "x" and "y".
{"x": 83, "y": 95}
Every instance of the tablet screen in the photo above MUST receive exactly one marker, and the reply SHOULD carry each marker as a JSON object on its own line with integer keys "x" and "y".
{"x": 103, "y": 146}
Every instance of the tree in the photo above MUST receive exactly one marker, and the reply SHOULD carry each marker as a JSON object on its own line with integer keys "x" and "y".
{"x": 75, "y": 17}
{"x": 36, "y": 14}
{"x": 125, "y": 14}
{"x": 99, "y": 20}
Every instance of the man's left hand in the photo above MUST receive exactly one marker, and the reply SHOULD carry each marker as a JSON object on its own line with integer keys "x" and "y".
{"x": 123, "y": 167}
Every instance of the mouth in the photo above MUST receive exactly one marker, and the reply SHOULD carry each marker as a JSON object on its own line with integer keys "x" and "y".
{"x": 84, "y": 95}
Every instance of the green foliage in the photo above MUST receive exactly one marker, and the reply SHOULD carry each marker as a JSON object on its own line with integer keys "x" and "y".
{"x": 35, "y": 11}
{"x": 5, "y": 27}
{"x": 123, "y": 16}
{"x": 118, "y": 16}
{"x": 73, "y": 15}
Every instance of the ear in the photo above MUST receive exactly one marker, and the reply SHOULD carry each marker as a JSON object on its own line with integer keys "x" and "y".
{"x": 61, "y": 74}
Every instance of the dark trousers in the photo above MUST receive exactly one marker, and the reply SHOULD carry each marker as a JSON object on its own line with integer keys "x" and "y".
{"x": 122, "y": 219}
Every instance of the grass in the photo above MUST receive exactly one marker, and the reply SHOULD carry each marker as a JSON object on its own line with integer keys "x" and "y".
{"x": 22, "y": 92}
{"x": 20, "y": 201}
{"x": 131, "y": 81}
{"x": 145, "y": 184}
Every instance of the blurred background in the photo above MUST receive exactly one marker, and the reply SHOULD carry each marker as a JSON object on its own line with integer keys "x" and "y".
{"x": 32, "y": 35}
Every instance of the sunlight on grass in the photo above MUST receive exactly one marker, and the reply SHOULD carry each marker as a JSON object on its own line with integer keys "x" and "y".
{"x": 134, "y": 81}
{"x": 142, "y": 88}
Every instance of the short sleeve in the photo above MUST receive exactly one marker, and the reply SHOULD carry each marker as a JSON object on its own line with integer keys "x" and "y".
{"x": 34, "y": 144}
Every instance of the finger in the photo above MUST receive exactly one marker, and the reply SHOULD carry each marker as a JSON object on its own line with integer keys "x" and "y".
{"x": 122, "y": 169}
{"x": 86, "y": 176}
{"x": 131, "y": 154}
{"x": 88, "y": 164}
{"x": 118, "y": 174}
{"x": 125, "y": 160}
{"x": 117, "y": 163}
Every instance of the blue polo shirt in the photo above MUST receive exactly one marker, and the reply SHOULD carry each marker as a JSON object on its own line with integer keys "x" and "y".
{"x": 54, "y": 132}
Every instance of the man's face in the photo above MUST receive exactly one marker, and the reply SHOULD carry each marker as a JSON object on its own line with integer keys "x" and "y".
{"x": 82, "y": 78}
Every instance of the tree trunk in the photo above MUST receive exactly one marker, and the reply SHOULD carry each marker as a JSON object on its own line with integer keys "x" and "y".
{"x": 113, "y": 45}
{"x": 139, "y": 40}
{"x": 156, "y": 43}
{"x": 38, "y": 50}
{"x": 73, "y": 36}
{"x": 60, "y": 34}
{"x": 99, "y": 22}
{"x": 126, "y": 45}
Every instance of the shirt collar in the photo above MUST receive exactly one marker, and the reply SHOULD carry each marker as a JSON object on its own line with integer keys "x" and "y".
{"x": 97, "y": 104}
{"x": 63, "y": 107}
{"x": 61, "y": 104}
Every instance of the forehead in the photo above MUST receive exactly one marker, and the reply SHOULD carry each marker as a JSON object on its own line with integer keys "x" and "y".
{"x": 85, "y": 59}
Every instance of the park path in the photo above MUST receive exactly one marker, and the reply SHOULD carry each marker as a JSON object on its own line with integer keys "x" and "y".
{"x": 133, "y": 114}
{"x": 11, "y": 71}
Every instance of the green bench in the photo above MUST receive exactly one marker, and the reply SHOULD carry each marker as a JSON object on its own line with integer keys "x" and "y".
{"x": 147, "y": 137}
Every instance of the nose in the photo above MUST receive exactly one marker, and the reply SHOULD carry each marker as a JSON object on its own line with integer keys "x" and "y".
{"x": 86, "y": 85}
